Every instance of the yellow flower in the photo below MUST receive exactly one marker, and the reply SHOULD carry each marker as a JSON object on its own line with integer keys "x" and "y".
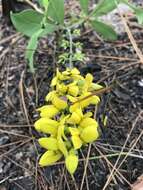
{"x": 59, "y": 103}
{"x": 75, "y": 71}
{"x": 89, "y": 134}
{"x": 48, "y": 111}
{"x": 95, "y": 86}
{"x": 87, "y": 121}
{"x": 63, "y": 119}
{"x": 84, "y": 101}
{"x": 77, "y": 142}
{"x": 49, "y": 158}
{"x": 50, "y": 96}
{"x": 88, "y": 82}
{"x": 71, "y": 163}
{"x": 73, "y": 90}
{"x": 47, "y": 125}
{"x": 61, "y": 88}
{"x": 88, "y": 100}
{"x": 75, "y": 117}
{"x": 49, "y": 143}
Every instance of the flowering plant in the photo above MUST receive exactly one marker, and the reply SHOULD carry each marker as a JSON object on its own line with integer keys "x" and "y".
{"x": 66, "y": 120}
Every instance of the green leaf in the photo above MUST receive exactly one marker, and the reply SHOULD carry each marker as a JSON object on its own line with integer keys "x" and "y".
{"x": 27, "y": 22}
{"x": 104, "y": 7}
{"x": 139, "y": 15}
{"x": 49, "y": 28}
{"x": 45, "y": 3}
{"x": 56, "y": 10}
{"x": 33, "y": 42}
{"x": 32, "y": 45}
{"x": 84, "y": 5}
{"x": 105, "y": 30}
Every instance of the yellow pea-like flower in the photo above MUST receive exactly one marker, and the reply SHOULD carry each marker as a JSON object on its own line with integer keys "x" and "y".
{"x": 63, "y": 119}
{"x": 46, "y": 125}
{"x": 62, "y": 147}
{"x": 54, "y": 81}
{"x": 88, "y": 81}
{"x": 59, "y": 103}
{"x": 71, "y": 98}
{"x": 89, "y": 134}
{"x": 95, "y": 100}
{"x": 49, "y": 143}
{"x": 49, "y": 158}
{"x": 88, "y": 122}
{"x": 61, "y": 88}
{"x": 95, "y": 86}
{"x": 71, "y": 163}
{"x": 48, "y": 111}
{"x": 74, "y": 119}
{"x": 89, "y": 100}
{"x": 76, "y": 116}
{"x": 77, "y": 142}
{"x": 75, "y": 71}
{"x": 74, "y": 107}
{"x": 50, "y": 96}
{"x": 73, "y": 90}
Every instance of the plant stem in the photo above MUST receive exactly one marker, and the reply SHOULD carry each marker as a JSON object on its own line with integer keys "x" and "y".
{"x": 71, "y": 49}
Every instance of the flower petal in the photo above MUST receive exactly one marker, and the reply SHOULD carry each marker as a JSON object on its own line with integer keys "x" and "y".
{"x": 75, "y": 71}
{"x": 46, "y": 125}
{"x": 49, "y": 143}
{"x": 59, "y": 103}
{"x": 88, "y": 122}
{"x": 77, "y": 142}
{"x": 49, "y": 158}
{"x": 54, "y": 81}
{"x": 89, "y": 134}
{"x": 95, "y": 86}
{"x": 74, "y": 119}
{"x": 48, "y": 111}
{"x": 73, "y": 90}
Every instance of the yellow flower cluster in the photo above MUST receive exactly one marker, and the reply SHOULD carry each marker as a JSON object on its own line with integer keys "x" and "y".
{"x": 66, "y": 120}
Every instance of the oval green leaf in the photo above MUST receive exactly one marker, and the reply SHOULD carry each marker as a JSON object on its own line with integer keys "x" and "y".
{"x": 27, "y": 22}
{"x": 105, "y": 30}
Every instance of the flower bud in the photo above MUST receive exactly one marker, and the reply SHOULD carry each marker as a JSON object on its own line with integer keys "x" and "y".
{"x": 48, "y": 111}
{"x": 46, "y": 125}
{"x": 49, "y": 143}
{"x": 49, "y": 158}
{"x": 71, "y": 163}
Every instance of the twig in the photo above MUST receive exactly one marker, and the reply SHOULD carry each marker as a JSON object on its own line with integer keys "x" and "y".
{"x": 132, "y": 40}
{"x": 85, "y": 168}
{"x": 33, "y": 6}
{"x": 115, "y": 165}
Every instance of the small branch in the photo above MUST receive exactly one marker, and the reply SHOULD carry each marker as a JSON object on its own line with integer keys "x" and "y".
{"x": 33, "y": 6}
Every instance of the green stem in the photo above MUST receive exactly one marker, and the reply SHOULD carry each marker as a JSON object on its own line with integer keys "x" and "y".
{"x": 71, "y": 48}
